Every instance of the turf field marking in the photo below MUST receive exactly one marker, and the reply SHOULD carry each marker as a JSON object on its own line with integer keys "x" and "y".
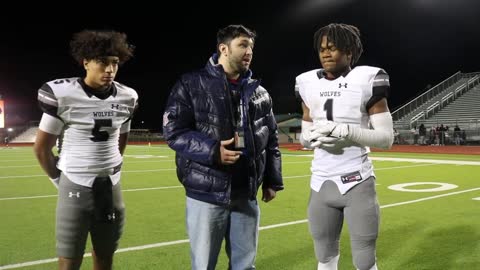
{"x": 285, "y": 177}
{"x": 158, "y": 170}
{"x": 149, "y": 161}
{"x": 430, "y": 198}
{"x": 144, "y": 156}
{"x": 400, "y": 167}
{"x": 125, "y": 190}
{"x": 19, "y": 166}
{"x": 149, "y": 146}
{"x": 183, "y": 241}
{"x": 23, "y": 176}
{"x": 15, "y": 160}
{"x": 125, "y": 163}
{"x": 153, "y": 188}
{"x": 132, "y": 162}
{"x": 441, "y": 187}
{"x": 435, "y": 161}
{"x": 28, "y": 197}
{"x": 131, "y": 171}
{"x": 415, "y": 160}
{"x": 51, "y": 196}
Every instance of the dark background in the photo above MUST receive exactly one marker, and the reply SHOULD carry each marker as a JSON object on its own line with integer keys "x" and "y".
{"x": 418, "y": 42}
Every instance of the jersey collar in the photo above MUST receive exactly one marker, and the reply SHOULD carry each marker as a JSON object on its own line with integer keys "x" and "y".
{"x": 111, "y": 91}
{"x": 321, "y": 74}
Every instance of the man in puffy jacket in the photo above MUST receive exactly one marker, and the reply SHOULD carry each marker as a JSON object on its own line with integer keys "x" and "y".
{"x": 220, "y": 123}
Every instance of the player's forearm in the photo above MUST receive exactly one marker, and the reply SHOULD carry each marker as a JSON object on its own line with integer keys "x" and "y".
{"x": 122, "y": 142}
{"x": 48, "y": 162}
{"x": 371, "y": 137}
{"x": 381, "y": 136}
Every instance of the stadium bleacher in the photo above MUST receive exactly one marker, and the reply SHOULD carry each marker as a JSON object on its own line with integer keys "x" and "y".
{"x": 28, "y": 136}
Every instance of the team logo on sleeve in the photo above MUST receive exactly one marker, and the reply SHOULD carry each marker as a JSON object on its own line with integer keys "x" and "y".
{"x": 340, "y": 85}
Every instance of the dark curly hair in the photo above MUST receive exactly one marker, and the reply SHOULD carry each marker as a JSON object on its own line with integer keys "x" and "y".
{"x": 93, "y": 44}
{"x": 345, "y": 37}
{"x": 228, "y": 33}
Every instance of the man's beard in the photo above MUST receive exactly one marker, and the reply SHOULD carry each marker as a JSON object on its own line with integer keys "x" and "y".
{"x": 237, "y": 64}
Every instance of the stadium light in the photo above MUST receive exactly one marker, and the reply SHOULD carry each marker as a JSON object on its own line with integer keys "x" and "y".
{"x": 9, "y": 129}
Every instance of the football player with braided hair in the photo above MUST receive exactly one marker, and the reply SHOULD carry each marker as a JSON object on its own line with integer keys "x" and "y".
{"x": 94, "y": 113}
{"x": 345, "y": 112}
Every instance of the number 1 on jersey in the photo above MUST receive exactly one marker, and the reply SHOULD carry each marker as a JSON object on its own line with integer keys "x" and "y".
{"x": 328, "y": 106}
{"x": 100, "y": 136}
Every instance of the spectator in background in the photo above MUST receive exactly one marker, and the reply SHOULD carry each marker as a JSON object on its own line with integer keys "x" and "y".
{"x": 396, "y": 136}
{"x": 434, "y": 135}
{"x": 457, "y": 135}
{"x": 414, "y": 131}
{"x": 422, "y": 131}
{"x": 441, "y": 134}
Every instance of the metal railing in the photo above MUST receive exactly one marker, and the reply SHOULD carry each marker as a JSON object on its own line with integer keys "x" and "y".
{"x": 424, "y": 97}
{"x": 440, "y": 101}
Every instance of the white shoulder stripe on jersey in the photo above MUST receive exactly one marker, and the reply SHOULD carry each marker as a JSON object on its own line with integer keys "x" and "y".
{"x": 381, "y": 83}
{"x": 47, "y": 98}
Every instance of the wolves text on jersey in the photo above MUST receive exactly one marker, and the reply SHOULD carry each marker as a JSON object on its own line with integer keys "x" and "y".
{"x": 103, "y": 114}
{"x": 330, "y": 94}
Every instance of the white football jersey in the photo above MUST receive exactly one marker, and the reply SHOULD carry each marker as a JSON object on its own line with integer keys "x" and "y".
{"x": 342, "y": 100}
{"x": 91, "y": 127}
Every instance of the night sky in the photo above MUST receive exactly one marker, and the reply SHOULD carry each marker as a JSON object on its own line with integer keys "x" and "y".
{"x": 418, "y": 42}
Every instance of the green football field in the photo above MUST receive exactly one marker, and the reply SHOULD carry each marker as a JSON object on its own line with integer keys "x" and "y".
{"x": 431, "y": 222}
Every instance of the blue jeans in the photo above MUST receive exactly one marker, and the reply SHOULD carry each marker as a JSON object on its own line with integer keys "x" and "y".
{"x": 207, "y": 226}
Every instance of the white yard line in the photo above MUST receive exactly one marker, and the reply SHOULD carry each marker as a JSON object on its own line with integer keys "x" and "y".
{"x": 19, "y": 166}
{"x": 51, "y": 196}
{"x": 27, "y": 197}
{"x": 430, "y": 161}
{"x": 125, "y": 190}
{"x": 125, "y": 163}
{"x": 15, "y": 160}
{"x": 183, "y": 241}
{"x": 153, "y": 188}
{"x": 285, "y": 177}
{"x": 133, "y": 162}
{"x": 430, "y": 198}
{"x": 435, "y": 161}
{"x": 401, "y": 167}
{"x": 43, "y": 175}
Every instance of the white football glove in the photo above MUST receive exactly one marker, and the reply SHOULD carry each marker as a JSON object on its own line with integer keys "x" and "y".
{"x": 333, "y": 129}
{"x": 318, "y": 130}
{"x": 319, "y": 135}
{"x": 326, "y": 142}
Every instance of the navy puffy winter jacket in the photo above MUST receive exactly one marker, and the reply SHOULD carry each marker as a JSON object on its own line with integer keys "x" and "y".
{"x": 199, "y": 115}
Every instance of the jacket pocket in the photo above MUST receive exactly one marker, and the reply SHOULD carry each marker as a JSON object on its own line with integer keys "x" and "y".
{"x": 205, "y": 179}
